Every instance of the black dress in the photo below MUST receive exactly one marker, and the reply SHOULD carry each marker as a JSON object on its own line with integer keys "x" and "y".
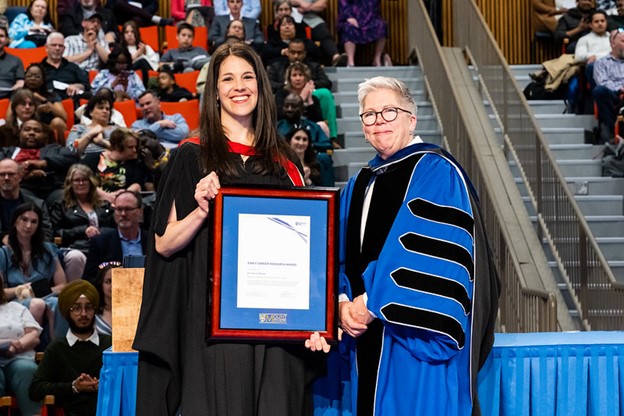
{"x": 176, "y": 366}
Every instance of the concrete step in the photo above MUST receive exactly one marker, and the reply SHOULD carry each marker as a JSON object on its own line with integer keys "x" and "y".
{"x": 344, "y": 84}
{"x": 364, "y": 72}
{"x": 571, "y": 167}
{"x": 606, "y": 225}
{"x": 352, "y": 108}
{"x": 595, "y": 205}
{"x": 586, "y": 122}
{"x": 353, "y": 155}
{"x": 547, "y": 106}
{"x": 587, "y": 186}
{"x": 355, "y": 138}
{"x": 349, "y": 124}
{"x": 564, "y": 135}
{"x": 612, "y": 247}
{"x": 577, "y": 151}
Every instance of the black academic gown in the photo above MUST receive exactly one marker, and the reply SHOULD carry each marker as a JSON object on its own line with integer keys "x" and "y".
{"x": 176, "y": 366}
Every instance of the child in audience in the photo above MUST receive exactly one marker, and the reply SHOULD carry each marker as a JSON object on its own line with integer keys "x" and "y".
{"x": 168, "y": 90}
{"x": 186, "y": 57}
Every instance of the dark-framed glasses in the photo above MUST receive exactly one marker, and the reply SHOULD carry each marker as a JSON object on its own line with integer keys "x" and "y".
{"x": 389, "y": 114}
{"x": 77, "y": 309}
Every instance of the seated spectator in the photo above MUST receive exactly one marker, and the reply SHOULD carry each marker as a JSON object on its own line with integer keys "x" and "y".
{"x": 119, "y": 77}
{"x": 63, "y": 77}
{"x": 293, "y": 117}
{"x": 170, "y": 130}
{"x": 300, "y": 142}
{"x": 186, "y": 57}
{"x": 116, "y": 117}
{"x": 80, "y": 213}
{"x": 89, "y": 49}
{"x": 32, "y": 266}
{"x": 93, "y": 138}
{"x": 11, "y": 68}
{"x": 119, "y": 168}
{"x": 594, "y": 45}
{"x": 70, "y": 369}
{"x": 545, "y": 15}
{"x": 30, "y": 29}
{"x": 144, "y": 58}
{"x": 44, "y": 164}
{"x": 104, "y": 285}
{"x": 23, "y": 107}
{"x": 71, "y": 21}
{"x": 19, "y": 335}
{"x": 154, "y": 155}
{"x": 11, "y": 196}
{"x": 320, "y": 31}
{"x": 128, "y": 239}
{"x": 298, "y": 81}
{"x": 168, "y": 90}
{"x": 219, "y": 27}
{"x": 277, "y": 50}
{"x": 607, "y": 5}
{"x": 295, "y": 52}
{"x": 616, "y": 21}
{"x": 609, "y": 78}
{"x": 144, "y": 15}
{"x": 49, "y": 108}
{"x": 281, "y": 8}
{"x": 195, "y": 13}
{"x": 250, "y": 8}
{"x": 574, "y": 24}
{"x": 360, "y": 22}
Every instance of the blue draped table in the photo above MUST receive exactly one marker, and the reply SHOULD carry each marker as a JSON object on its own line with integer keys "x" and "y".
{"x": 562, "y": 373}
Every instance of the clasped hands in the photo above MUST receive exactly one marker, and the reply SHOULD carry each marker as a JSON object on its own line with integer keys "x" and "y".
{"x": 354, "y": 316}
{"x": 86, "y": 384}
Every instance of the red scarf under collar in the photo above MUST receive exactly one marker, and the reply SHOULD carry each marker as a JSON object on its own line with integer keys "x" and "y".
{"x": 242, "y": 149}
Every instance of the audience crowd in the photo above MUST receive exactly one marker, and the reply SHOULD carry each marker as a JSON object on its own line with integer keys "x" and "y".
{"x": 88, "y": 132}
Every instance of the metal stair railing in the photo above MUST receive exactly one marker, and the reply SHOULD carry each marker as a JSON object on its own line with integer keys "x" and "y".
{"x": 597, "y": 294}
{"x": 525, "y": 305}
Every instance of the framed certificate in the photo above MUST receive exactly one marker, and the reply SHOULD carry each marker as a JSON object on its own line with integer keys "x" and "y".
{"x": 274, "y": 264}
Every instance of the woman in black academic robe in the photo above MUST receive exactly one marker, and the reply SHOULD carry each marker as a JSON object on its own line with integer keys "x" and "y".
{"x": 177, "y": 368}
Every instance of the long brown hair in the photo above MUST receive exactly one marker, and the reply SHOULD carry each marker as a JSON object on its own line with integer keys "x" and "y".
{"x": 269, "y": 147}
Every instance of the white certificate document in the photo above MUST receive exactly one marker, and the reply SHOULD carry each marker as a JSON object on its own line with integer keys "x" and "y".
{"x": 273, "y": 261}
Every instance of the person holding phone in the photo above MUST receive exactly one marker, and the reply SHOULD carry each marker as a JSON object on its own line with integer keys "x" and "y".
{"x": 119, "y": 76}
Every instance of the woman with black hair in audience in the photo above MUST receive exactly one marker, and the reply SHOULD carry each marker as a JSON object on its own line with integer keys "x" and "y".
{"x": 30, "y": 29}
{"x": 281, "y": 8}
{"x": 144, "y": 58}
{"x": 119, "y": 167}
{"x": 168, "y": 90}
{"x": 23, "y": 107}
{"x": 277, "y": 48}
{"x": 50, "y": 109}
{"x": 104, "y": 286}
{"x": 300, "y": 142}
{"x": 93, "y": 138}
{"x": 119, "y": 76}
{"x": 31, "y": 266}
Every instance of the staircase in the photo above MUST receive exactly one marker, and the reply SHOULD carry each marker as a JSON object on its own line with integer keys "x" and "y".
{"x": 601, "y": 199}
{"x": 356, "y": 152}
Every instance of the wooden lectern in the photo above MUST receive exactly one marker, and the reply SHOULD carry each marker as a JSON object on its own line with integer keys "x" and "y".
{"x": 127, "y": 293}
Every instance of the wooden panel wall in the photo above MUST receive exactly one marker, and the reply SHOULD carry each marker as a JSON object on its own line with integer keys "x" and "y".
{"x": 394, "y": 11}
{"x": 509, "y": 21}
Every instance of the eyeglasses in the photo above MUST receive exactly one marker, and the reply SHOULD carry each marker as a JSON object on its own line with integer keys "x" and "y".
{"x": 121, "y": 210}
{"x": 389, "y": 114}
{"x": 80, "y": 180}
{"x": 112, "y": 264}
{"x": 77, "y": 309}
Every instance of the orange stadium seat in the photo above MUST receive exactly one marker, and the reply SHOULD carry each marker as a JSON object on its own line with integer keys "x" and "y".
{"x": 4, "y": 106}
{"x": 188, "y": 109}
{"x": 128, "y": 109}
{"x": 187, "y": 80}
{"x": 200, "y": 39}
{"x": 68, "y": 105}
{"x": 28, "y": 56}
{"x": 149, "y": 34}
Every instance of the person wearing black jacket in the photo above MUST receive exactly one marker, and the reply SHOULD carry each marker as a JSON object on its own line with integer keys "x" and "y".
{"x": 574, "y": 24}
{"x": 71, "y": 22}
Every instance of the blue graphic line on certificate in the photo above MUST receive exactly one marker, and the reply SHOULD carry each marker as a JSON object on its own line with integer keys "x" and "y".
{"x": 283, "y": 223}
